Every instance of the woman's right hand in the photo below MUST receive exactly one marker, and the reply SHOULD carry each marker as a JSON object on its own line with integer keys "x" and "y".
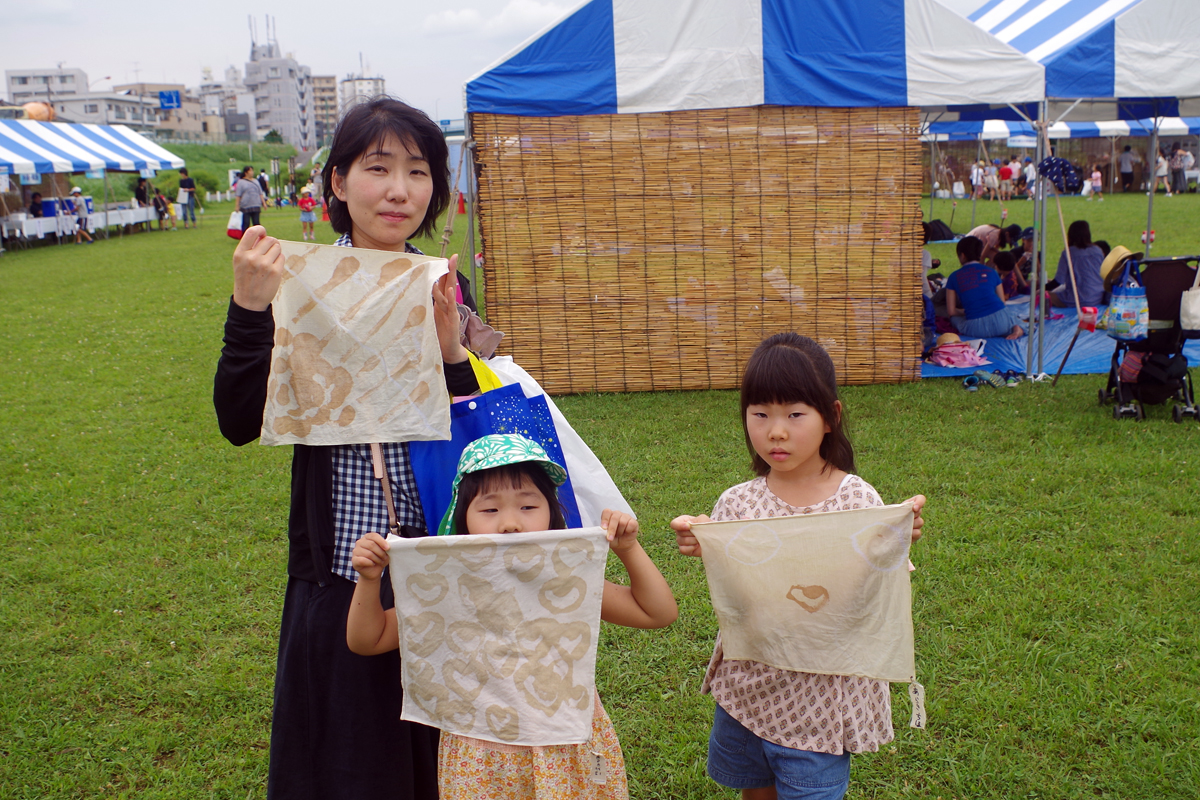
{"x": 684, "y": 538}
{"x": 370, "y": 556}
{"x": 257, "y": 269}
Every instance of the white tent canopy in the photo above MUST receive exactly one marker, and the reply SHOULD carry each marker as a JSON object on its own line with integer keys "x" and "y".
{"x": 631, "y": 56}
{"x": 28, "y": 147}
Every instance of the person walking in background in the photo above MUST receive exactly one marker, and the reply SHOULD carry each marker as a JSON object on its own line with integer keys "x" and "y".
{"x": 1160, "y": 175}
{"x": 187, "y": 197}
{"x": 1097, "y": 179}
{"x": 308, "y": 217}
{"x": 991, "y": 179}
{"x": 1126, "y": 161}
{"x": 248, "y": 198}
{"x": 977, "y": 180}
{"x": 1178, "y": 181}
{"x": 1030, "y": 178}
{"x": 79, "y": 206}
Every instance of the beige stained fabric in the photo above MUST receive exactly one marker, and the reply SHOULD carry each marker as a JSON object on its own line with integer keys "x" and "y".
{"x": 356, "y": 356}
{"x": 498, "y": 633}
{"x": 823, "y": 593}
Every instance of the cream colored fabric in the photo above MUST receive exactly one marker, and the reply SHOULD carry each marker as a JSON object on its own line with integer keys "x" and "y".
{"x": 498, "y": 633}
{"x": 356, "y": 356}
{"x": 822, "y": 593}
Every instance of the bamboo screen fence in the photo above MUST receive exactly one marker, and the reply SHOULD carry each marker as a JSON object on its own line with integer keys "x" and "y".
{"x": 641, "y": 252}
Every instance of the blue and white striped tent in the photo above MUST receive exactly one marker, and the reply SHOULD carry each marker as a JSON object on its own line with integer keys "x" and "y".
{"x": 28, "y": 147}
{"x": 632, "y": 56}
{"x": 1103, "y": 48}
{"x": 992, "y": 129}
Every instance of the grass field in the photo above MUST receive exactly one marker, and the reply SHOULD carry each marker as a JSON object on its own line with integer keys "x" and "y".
{"x": 142, "y": 557}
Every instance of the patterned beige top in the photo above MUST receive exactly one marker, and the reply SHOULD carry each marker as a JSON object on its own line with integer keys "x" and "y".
{"x": 819, "y": 713}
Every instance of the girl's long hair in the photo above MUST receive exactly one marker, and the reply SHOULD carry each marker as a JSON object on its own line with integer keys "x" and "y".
{"x": 511, "y": 475}
{"x": 368, "y": 125}
{"x": 790, "y": 368}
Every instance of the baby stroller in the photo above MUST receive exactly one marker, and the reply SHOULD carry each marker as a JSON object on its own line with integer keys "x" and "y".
{"x": 1155, "y": 370}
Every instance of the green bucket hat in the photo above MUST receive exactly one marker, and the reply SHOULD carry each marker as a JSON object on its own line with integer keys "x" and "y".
{"x": 498, "y": 450}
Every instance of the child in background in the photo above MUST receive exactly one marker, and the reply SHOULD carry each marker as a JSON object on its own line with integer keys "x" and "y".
{"x": 507, "y": 484}
{"x": 308, "y": 216}
{"x": 1097, "y": 179}
{"x": 776, "y": 732}
{"x": 1012, "y": 282}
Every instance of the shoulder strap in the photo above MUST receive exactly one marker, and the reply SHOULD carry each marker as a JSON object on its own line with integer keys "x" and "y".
{"x": 382, "y": 476}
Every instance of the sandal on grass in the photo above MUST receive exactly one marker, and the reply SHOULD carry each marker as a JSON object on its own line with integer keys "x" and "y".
{"x": 971, "y": 383}
{"x": 993, "y": 379}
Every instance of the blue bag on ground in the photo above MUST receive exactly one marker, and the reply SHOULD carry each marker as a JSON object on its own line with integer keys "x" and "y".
{"x": 505, "y": 410}
{"x": 1128, "y": 316}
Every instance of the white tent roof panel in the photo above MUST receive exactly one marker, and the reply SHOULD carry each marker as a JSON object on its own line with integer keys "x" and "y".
{"x": 27, "y": 147}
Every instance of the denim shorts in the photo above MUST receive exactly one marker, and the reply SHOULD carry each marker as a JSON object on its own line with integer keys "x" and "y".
{"x": 740, "y": 760}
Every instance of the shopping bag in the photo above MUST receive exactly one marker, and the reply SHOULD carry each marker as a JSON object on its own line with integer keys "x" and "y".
{"x": 1127, "y": 318}
{"x": 503, "y": 410}
{"x": 234, "y": 229}
{"x": 1189, "y": 309}
{"x": 1086, "y": 191}
{"x": 182, "y": 197}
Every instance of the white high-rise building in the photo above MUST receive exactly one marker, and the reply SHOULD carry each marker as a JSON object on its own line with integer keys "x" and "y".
{"x": 282, "y": 90}
{"x": 355, "y": 89}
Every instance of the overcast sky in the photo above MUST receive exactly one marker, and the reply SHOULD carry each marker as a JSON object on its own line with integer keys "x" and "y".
{"x": 425, "y": 50}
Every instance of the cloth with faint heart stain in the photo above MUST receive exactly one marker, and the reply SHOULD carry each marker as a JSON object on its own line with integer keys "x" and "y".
{"x": 356, "y": 357}
{"x": 822, "y": 593}
{"x": 498, "y": 633}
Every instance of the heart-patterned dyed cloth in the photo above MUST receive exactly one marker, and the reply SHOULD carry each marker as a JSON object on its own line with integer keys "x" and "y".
{"x": 498, "y": 633}
{"x": 821, "y": 593}
{"x": 356, "y": 357}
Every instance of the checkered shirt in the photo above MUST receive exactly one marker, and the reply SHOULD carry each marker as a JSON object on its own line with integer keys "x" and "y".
{"x": 358, "y": 504}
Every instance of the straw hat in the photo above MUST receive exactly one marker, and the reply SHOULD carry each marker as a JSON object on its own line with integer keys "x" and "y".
{"x": 1110, "y": 269}
{"x": 948, "y": 338}
{"x": 308, "y": 187}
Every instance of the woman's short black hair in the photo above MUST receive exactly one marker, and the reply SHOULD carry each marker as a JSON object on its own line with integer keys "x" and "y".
{"x": 790, "y": 368}
{"x": 183, "y": 170}
{"x": 970, "y": 247}
{"x": 511, "y": 475}
{"x": 1079, "y": 235}
{"x": 366, "y": 126}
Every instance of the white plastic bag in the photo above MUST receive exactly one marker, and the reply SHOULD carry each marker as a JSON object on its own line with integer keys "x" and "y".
{"x": 1189, "y": 309}
{"x": 1086, "y": 191}
{"x": 234, "y": 229}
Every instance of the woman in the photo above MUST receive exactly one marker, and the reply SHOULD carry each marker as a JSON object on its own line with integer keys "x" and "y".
{"x": 387, "y": 179}
{"x": 975, "y": 299}
{"x": 1086, "y": 259}
{"x": 1160, "y": 175}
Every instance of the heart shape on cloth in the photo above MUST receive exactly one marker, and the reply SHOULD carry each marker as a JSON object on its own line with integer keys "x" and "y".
{"x": 475, "y": 556}
{"x": 424, "y": 633}
{"x": 500, "y": 656}
{"x": 464, "y": 678}
{"x": 570, "y": 554}
{"x": 428, "y": 589}
{"x": 818, "y": 594}
{"x": 503, "y": 722}
{"x": 424, "y": 688}
{"x": 563, "y": 594}
{"x": 525, "y": 560}
{"x": 884, "y": 547}
{"x": 464, "y": 637}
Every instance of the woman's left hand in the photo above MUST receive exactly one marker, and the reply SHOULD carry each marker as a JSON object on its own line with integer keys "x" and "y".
{"x": 445, "y": 315}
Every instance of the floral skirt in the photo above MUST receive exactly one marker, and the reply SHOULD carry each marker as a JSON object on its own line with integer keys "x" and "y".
{"x": 472, "y": 769}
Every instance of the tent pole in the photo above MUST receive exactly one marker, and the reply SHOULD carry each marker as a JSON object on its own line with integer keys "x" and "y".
{"x": 1152, "y": 163}
{"x": 1034, "y": 289}
{"x": 1044, "y": 113}
{"x": 975, "y": 194}
{"x": 932, "y": 175}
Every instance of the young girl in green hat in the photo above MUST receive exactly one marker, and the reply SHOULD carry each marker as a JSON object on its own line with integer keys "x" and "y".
{"x": 508, "y": 484}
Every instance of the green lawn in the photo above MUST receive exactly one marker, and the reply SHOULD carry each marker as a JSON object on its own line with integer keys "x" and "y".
{"x": 142, "y": 557}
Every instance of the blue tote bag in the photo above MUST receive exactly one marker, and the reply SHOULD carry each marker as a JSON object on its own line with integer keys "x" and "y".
{"x": 504, "y": 410}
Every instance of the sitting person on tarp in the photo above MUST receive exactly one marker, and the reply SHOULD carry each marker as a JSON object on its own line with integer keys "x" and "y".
{"x": 995, "y": 238}
{"x": 1086, "y": 258}
{"x": 975, "y": 300}
{"x": 1011, "y": 280}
